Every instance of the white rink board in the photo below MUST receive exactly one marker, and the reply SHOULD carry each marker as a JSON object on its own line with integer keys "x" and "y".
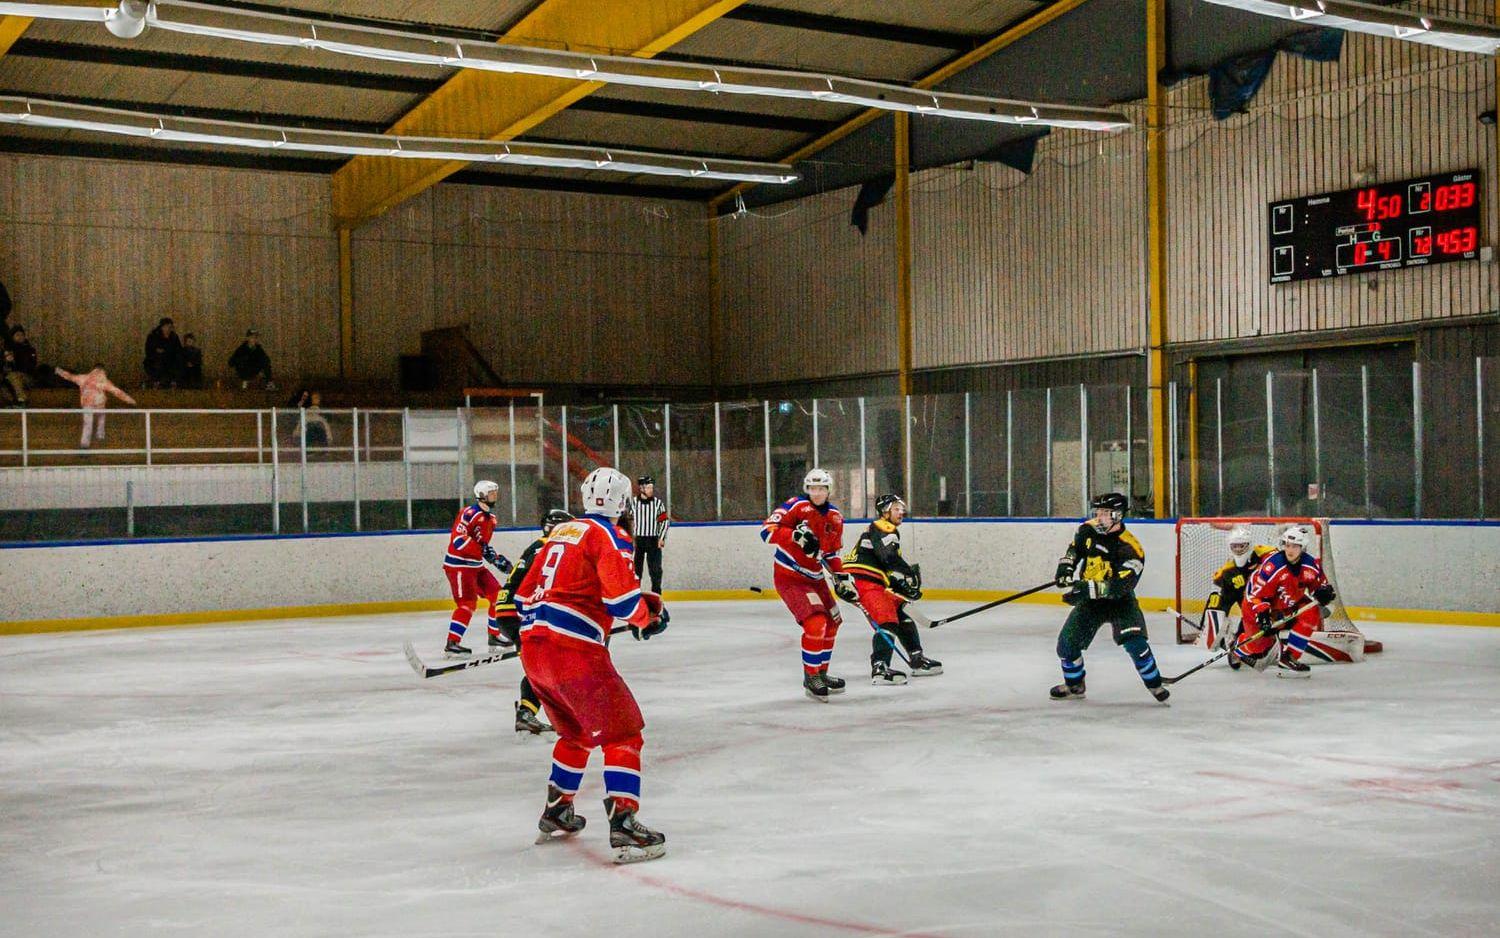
{"x": 1398, "y": 565}
{"x": 295, "y": 779}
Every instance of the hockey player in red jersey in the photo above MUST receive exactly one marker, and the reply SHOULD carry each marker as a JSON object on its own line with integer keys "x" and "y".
{"x": 468, "y": 549}
{"x": 581, "y": 583}
{"x": 808, "y": 534}
{"x": 1281, "y": 583}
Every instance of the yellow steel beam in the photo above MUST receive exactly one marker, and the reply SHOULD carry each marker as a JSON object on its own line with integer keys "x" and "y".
{"x": 495, "y": 106}
{"x": 1156, "y": 251}
{"x": 903, "y": 250}
{"x": 11, "y": 28}
{"x": 1024, "y": 28}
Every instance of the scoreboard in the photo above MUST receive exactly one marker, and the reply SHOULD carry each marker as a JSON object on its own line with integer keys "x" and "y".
{"x": 1412, "y": 223}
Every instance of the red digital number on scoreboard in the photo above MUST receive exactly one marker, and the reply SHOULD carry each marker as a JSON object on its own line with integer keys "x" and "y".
{"x": 1458, "y": 241}
{"x": 1377, "y": 207}
{"x": 1454, "y": 197}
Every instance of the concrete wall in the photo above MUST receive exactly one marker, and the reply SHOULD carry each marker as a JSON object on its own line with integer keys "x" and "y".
{"x": 176, "y": 578}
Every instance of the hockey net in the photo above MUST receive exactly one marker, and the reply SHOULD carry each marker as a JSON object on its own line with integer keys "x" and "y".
{"x": 1203, "y": 547}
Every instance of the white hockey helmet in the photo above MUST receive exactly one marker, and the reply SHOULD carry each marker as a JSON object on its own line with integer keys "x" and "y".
{"x": 1241, "y": 543}
{"x": 1296, "y": 534}
{"x": 483, "y": 488}
{"x": 605, "y": 492}
{"x": 818, "y": 477}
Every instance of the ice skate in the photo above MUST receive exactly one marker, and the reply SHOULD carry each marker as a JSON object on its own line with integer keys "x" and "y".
{"x": 558, "y": 820}
{"x": 455, "y": 650}
{"x": 881, "y": 673}
{"x": 530, "y": 721}
{"x": 631, "y": 840}
{"x": 816, "y": 687}
{"x": 835, "y": 684}
{"x": 1068, "y": 691}
{"x": 1160, "y": 693}
{"x": 1288, "y": 666}
{"x": 923, "y": 666}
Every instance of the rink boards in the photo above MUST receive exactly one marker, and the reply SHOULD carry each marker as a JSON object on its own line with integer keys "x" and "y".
{"x": 1402, "y": 571}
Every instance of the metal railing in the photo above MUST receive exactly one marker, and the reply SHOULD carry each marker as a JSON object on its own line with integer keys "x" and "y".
{"x": 1367, "y": 443}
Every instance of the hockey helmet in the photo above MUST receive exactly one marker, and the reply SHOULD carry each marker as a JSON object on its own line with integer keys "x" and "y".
{"x": 1241, "y": 541}
{"x": 486, "y": 491}
{"x": 884, "y": 503}
{"x": 816, "y": 477}
{"x": 1296, "y": 534}
{"x": 554, "y": 518}
{"x": 605, "y": 492}
{"x": 1114, "y": 503}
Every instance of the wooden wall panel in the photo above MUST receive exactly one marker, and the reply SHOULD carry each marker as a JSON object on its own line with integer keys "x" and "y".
{"x": 1007, "y": 266}
{"x": 553, "y": 287}
{"x": 1387, "y": 111}
{"x": 804, "y": 295}
{"x": 94, "y": 252}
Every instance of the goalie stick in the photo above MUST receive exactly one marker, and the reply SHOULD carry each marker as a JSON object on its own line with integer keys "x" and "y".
{"x": 1276, "y": 626}
{"x": 425, "y": 670}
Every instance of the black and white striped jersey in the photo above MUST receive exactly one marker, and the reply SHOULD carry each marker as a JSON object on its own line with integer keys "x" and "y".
{"x": 649, "y": 517}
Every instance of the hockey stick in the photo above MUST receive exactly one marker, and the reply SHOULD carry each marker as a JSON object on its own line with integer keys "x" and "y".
{"x": 425, "y": 670}
{"x": 1276, "y": 626}
{"x": 990, "y": 605}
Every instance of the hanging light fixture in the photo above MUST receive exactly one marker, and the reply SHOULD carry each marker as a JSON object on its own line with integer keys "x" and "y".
{"x": 31, "y": 112}
{"x": 1412, "y": 26}
{"x": 389, "y": 45}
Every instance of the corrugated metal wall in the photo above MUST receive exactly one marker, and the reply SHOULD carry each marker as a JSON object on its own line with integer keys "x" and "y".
{"x": 94, "y": 252}
{"x": 1007, "y": 266}
{"x": 804, "y": 295}
{"x": 1387, "y": 111}
{"x": 554, "y": 286}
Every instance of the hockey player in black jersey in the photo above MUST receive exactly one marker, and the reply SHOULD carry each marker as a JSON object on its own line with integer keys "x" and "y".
{"x": 528, "y": 708}
{"x": 1100, "y": 570}
{"x": 886, "y": 582}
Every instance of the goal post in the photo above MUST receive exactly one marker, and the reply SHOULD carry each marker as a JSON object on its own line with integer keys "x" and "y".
{"x": 1203, "y": 546}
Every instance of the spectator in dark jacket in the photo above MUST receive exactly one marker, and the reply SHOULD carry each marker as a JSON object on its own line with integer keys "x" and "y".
{"x": 190, "y": 375}
{"x": 250, "y": 362}
{"x": 5, "y": 306}
{"x": 163, "y": 355}
{"x": 25, "y": 352}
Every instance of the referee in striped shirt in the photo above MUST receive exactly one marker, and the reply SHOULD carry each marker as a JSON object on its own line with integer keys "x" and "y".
{"x": 648, "y": 525}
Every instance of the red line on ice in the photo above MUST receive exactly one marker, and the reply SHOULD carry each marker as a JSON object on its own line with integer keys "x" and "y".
{"x": 785, "y": 915}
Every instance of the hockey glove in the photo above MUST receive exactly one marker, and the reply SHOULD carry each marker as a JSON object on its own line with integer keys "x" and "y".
{"x": 916, "y": 577}
{"x": 907, "y": 589}
{"x": 498, "y": 561}
{"x": 1265, "y": 621}
{"x": 1064, "y": 578}
{"x": 656, "y": 626}
{"x": 1324, "y": 594}
{"x": 805, "y": 539}
{"x": 843, "y": 587}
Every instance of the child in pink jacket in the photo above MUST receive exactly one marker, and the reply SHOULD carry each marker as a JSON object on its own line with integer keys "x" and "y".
{"x": 92, "y": 388}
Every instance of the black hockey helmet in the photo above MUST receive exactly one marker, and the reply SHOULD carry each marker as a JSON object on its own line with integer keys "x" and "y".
{"x": 1114, "y": 503}
{"x": 884, "y": 503}
{"x": 554, "y": 518}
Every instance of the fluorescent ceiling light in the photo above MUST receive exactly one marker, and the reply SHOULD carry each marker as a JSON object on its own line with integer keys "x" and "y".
{"x": 201, "y": 19}
{"x": 1444, "y": 31}
{"x": 30, "y": 112}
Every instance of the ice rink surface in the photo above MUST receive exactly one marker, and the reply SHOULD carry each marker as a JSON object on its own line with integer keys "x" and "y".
{"x": 295, "y": 778}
